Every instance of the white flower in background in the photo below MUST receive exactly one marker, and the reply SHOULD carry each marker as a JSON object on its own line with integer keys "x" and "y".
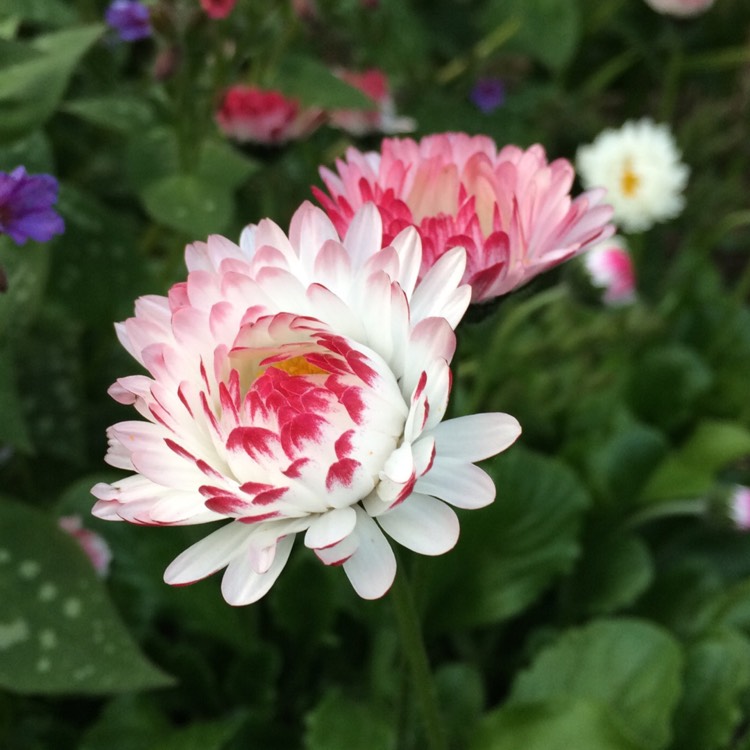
{"x": 683, "y": 8}
{"x": 298, "y": 384}
{"x": 610, "y": 268}
{"x": 640, "y": 166}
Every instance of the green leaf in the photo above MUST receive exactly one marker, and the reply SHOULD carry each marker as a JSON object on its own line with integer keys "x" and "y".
{"x": 224, "y": 165}
{"x": 691, "y": 471}
{"x": 50, "y": 12}
{"x": 315, "y": 85}
{"x": 208, "y": 735}
{"x": 509, "y": 552}
{"x": 549, "y": 30}
{"x": 717, "y": 672}
{"x": 127, "y": 722}
{"x": 189, "y": 204}
{"x": 151, "y": 156}
{"x": 30, "y": 90}
{"x": 461, "y": 696}
{"x": 59, "y": 633}
{"x": 554, "y": 725}
{"x": 340, "y": 723}
{"x": 629, "y": 666}
{"x": 121, "y": 112}
{"x": 614, "y": 570}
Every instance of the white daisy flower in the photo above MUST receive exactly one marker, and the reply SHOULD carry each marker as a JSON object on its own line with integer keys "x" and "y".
{"x": 640, "y": 167}
{"x": 297, "y": 384}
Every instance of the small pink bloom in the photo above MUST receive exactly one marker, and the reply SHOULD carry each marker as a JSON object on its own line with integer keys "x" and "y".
{"x": 510, "y": 209}
{"x": 683, "y": 8}
{"x": 91, "y": 543}
{"x": 218, "y": 8}
{"x": 381, "y": 119}
{"x": 306, "y": 10}
{"x": 611, "y": 268}
{"x": 255, "y": 115}
{"x": 739, "y": 507}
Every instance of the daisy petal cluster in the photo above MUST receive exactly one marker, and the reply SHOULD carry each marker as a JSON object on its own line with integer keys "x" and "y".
{"x": 297, "y": 385}
{"x": 510, "y": 209}
{"x": 382, "y": 118}
{"x": 26, "y": 206}
{"x": 254, "y": 115}
{"x": 681, "y": 8}
{"x": 640, "y": 166}
{"x": 610, "y": 268}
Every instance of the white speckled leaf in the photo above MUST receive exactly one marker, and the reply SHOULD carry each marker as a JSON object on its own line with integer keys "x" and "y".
{"x": 59, "y": 632}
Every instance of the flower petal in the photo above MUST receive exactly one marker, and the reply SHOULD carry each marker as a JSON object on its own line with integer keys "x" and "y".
{"x": 372, "y": 568}
{"x": 423, "y": 524}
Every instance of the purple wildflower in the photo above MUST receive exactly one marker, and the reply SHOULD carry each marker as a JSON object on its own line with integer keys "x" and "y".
{"x": 130, "y": 19}
{"x": 26, "y": 206}
{"x": 488, "y": 94}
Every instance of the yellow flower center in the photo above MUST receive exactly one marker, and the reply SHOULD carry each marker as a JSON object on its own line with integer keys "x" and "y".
{"x": 629, "y": 181}
{"x": 298, "y": 366}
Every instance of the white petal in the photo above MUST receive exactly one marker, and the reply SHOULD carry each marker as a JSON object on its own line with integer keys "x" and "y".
{"x": 365, "y": 234}
{"x": 372, "y": 568}
{"x": 208, "y": 555}
{"x": 435, "y": 295}
{"x": 242, "y": 585}
{"x": 422, "y": 524}
{"x": 339, "y": 553}
{"x": 460, "y": 484}
{"x": 408, "y": 245}
{"x": 476, "y": 436}
{"x": 330, "y": 528}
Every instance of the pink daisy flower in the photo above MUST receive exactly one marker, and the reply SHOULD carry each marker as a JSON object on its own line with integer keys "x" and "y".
{"x": 297, "y": 385}
{"x": 510, "y": 209}
{"x": 250, "y": 114}
{"x": 610, "y": 268}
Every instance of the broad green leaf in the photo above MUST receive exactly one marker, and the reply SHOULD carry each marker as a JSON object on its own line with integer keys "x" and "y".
{"x": 205, "y": 735}
{"x": 717, "y": 673}
{"x": 509, "y": 552}
{"x": 615, "y": 568}
{"x": 151, "y": 157}
{"x": 691, "y": 471}
{"x": 315, "y": 85}
{"x": 59, "y": 633}
{"x": 340, "y": 723}
{"x": 50, "y": 12}
{"x": 553, "y": 725}
{"x": 549, "y": 29}
{"x": 30, "y": 90}
{"x": 189, "y": 204}
{"x": 629, "y": 666}
{"x": 127, "y": 722}
{"x": 224, "y": 165}
{"x": 122, "y": 112}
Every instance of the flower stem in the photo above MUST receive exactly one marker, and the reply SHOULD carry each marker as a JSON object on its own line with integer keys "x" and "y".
{"x": 412, "y": 643}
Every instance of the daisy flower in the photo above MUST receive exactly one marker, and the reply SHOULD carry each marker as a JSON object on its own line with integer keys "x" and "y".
{"x": 510, "y": 209}
{"x": 297, "y": 385}
{"x": 682, "y": 8}
{"x": 739, "y": 507}
{"x": 640, "y": 166}
{"x": 610, "y": 268}
{"x": 250, "y": 114}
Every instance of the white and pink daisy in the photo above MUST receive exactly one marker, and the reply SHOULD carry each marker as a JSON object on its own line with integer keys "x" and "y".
{"x": 510, "y": 209}
{"x": 297, "y": 384}
{"x": 382, "y": 118}
{"x": 680, "y": 8}
{"x": 252, "y": 115}
{"x": 610, "y": 268}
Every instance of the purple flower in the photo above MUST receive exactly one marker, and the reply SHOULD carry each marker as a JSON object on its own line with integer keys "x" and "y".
{"x": 130, "y": 19}
{"x": 488, "y": 94}
{"x": 26, "y": 206}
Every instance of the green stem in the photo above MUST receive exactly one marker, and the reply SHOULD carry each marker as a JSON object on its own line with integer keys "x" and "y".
{"x": 412, "y": 643}
{"x": 692, "y": 507}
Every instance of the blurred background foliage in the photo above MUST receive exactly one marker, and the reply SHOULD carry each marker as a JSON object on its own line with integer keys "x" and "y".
{"x": 602, "y": 602}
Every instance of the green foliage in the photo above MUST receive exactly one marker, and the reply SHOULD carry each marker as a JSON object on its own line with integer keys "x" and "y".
{"x": 59, "y": 632}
